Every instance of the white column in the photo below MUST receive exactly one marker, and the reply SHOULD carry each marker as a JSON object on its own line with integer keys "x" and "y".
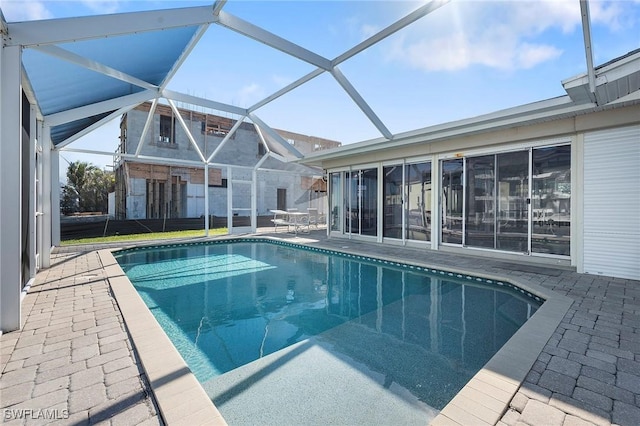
{"x": 55, "y": 197}
{"x": 206, "y": 199}
{"x": 40, "y": 195}
{"x": 32, "y": 191}
{"x": 45, "y": 248}
{"x": 10, "y": 179}
{"x": 229, "y": 199}
{"x": 254, "y": 201}
{"x": 436, "y": 207}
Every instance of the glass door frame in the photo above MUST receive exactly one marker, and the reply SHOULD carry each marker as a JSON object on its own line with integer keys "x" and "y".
{"x": 529, "y": 147}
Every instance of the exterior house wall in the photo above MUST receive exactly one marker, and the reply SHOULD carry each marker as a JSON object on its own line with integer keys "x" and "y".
{"x": 571, "y": 132}
{"x": 240, "y": 154}
{"x": 137, "y": 199}
{"x": 495, "y": 138}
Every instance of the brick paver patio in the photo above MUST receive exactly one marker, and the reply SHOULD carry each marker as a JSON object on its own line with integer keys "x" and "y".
{"x": 73, "y": 358}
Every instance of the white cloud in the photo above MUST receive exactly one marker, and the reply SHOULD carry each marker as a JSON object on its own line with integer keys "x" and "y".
{"x": 101, "y": 7}
{"x": 502, "y": 35}
{"x": 250, "y": 94}
{"x": 610, "y": 14}
{"x": 16, "y": 11}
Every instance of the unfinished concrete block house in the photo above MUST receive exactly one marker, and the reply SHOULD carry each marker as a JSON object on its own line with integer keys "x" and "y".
{"x": 158, "y": 174}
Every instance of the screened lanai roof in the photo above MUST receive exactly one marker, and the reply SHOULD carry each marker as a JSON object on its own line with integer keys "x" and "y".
{"x": 71, "y": 75}
{"x": 86, "y": 71}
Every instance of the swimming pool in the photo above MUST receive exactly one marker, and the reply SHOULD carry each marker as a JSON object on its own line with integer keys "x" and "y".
{"x": 243, "y": 307}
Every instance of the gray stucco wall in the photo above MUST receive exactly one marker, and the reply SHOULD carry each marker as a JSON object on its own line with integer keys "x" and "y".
{"x": 241, "y": 149}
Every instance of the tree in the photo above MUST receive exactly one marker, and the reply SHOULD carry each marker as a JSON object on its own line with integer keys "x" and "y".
{"x": 87, "y": 188}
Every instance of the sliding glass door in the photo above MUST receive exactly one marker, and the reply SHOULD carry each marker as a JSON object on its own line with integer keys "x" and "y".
{"x": 336, "y": 201}
{"x": 551, "y": 200}
{"x": 452, "y": 200}
{"x": 512, "y": 193}
{"x": 393, "y": 200}
{"x": 516, "y": 201}
{"x": 361, "y": 203}
{"x": 418, "y": 190}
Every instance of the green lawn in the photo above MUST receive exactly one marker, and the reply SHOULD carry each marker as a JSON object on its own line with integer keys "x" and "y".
{"x": 145, "y": 236}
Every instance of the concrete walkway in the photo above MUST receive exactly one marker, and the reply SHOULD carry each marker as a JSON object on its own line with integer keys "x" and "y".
{"x": 73, "y": 360}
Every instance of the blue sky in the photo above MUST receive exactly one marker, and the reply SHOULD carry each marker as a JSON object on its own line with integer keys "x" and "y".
{"x": 465, "y": 59}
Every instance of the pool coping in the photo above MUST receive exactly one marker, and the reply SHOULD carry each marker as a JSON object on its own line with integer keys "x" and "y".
{"x": 483, "y": 400}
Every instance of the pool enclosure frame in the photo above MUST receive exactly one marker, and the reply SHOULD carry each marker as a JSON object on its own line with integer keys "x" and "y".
{"x": 44, "y": 108}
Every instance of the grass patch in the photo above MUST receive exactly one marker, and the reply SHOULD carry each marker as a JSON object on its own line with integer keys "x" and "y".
{"x": 145, "y": 236}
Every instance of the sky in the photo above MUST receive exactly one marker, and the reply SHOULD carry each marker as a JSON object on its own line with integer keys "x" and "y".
{"x": 465, "y": 59}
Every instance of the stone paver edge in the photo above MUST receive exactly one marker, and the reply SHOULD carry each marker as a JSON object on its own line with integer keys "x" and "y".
{"x": 172, "y": 383}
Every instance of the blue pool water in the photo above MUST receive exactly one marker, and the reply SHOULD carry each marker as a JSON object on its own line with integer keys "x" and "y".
{"x": 225, "y": 305}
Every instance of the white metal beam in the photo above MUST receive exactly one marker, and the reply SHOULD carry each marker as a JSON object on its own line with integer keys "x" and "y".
{"x": 586, "y": 32}
{"x": 353, "y": 93}
{"x": 235, "y": 127}
{"x": 147, "y": 124}
{"x": 263, "y": 36}
{"x": 47, "y": 186}
{"x": 93, "y": 127}
{"x": 206, "y": 200}
{"x": 421, "y": 12}
{"x": 286, "y": 89}
{"x": 183, "y": 56}
{"x": 262, "y": 139}
{"x": 55, "y": 31}
{"x": 55, "y": 197}
{"x": 195, "y": 100}
{"x": 275, "y": 135}
{"x": 33, "y": 198}
{"x": 217, "y": 6}
{"x": 186, "y": 129}
{"x": 99, "y": 108}
{"x": 10, "y": 187}
{"x": 76, "y": 59}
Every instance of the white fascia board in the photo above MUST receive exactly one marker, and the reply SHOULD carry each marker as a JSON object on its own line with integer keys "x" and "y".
{"x": 62, "y": 30}
{"x": 549, "y": 109}
{"x": 421, "y": 12}
{"x": 366, "y": 109}
{"x": 73, "y": 58}
{"x": 99, "y": 108}
{"x": 263, "y": 36}
{"x": 614, "y": 71}
{"x": 195, "y": 100}
{"x": 287, "y": 89}
{"x": 275, "y": 136}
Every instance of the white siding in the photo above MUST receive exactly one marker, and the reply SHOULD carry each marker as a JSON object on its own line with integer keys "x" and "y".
{"x": 612, "y": 202}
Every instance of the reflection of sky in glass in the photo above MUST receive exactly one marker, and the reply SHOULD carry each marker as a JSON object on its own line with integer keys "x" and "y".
{"x": 223, "y": 308}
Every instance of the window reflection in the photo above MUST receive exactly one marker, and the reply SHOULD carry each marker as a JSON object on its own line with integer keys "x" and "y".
{"x": 551, "y": 200}
{"x": 452, "y": 201}
{"x": 418, "y": 181}
{"x": 362, "y": 202}
{"x": 392, "y": 220}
